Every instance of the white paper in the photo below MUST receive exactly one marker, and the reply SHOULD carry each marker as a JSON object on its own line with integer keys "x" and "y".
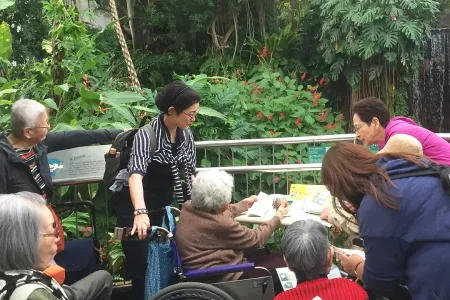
{"x": 351, "y": 252}
{"x": 289, "y": 281}
{"x": 262, "y": 206}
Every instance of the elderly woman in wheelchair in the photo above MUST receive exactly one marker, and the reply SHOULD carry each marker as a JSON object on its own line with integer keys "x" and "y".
{"x": 208, "y": 236}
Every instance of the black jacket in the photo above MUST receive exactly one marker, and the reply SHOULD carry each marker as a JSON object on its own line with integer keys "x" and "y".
{"x": 16, "y": 177}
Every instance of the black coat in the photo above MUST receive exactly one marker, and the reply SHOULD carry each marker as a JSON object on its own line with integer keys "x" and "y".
{"x": 15, "y": 175}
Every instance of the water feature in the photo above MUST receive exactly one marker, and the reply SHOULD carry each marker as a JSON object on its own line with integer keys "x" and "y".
{"x": 430, "y": 91}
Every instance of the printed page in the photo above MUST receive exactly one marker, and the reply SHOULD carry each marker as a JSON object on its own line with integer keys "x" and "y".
{"x": 289, "y": 281}
{"x": 262, "y": 206}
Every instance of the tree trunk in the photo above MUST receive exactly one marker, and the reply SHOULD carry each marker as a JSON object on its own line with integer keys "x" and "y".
{"x": 130, "y": 10}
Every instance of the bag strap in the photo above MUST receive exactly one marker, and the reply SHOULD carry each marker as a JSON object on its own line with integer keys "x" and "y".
{"x": 426, "y": 172}
{"x": 151, "y": 133}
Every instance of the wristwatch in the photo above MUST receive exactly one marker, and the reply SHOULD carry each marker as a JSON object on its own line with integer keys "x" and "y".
{"x": 140, "y": 211}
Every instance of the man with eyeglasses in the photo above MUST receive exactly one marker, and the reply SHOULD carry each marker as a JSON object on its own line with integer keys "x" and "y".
{"x": 23, "y": 151}
{"x": 24, "y": 165}
{"x": 373, "y": 125}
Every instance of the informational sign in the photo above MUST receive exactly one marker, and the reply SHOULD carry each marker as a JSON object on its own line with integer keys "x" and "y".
{"x": 316, "y": 154}
{"x": 78, "y": 164}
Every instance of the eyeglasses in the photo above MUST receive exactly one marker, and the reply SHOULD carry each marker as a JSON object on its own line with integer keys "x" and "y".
{"x": 46, "y": 127}
{"x": 55, "y": 233}
{"x": 192, "y": 115}
{"x": 356, "y": 128}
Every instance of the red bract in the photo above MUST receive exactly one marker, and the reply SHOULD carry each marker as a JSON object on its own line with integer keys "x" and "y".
{"x": 290, "y": 179}
{"x": 323, "y": 116}
{"x": 316, "y": 96}
{"x": 265, "y": 51}
{"x": 276, "y": 179}
{"x": 331, "y": 126}
{"x": 260, "y": 115}
{"x": 341, "y": 118}
{"x": 269, "y": 117}
{"x": 298, "y": 121}
{"x": 322, "y": 80}
{"x": 272, "y": 132}
{"x": 282, "y": 115}
{"x": 279, "y": 79}
{"x": 298, "y": 161}
{"x": 303, "y": 76}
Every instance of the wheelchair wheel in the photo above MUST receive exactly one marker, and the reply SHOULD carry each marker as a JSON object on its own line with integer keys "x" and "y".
{"x": 191, "y": 291}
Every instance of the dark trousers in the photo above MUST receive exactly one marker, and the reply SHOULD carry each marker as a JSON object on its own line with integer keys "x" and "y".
{"x": 136, "y": 253}
{"x": 270, "y": 261}
{"x": 96, "y": 286}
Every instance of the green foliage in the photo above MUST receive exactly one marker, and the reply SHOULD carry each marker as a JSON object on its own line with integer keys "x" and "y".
{"x": 77, "y": 225}
{"x": 360, "y": 37}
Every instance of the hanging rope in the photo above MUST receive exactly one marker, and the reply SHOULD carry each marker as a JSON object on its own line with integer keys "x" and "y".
{"x": 123, "y": 45}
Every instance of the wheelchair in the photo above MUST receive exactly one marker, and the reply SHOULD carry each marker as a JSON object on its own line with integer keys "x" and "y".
{"x": 185, "y": 285}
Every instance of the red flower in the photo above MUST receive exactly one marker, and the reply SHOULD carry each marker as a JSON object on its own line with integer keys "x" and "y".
{"x": 272, "y": 132}
{"x": 323, "y": 116}
{"x": 282, "y": 115}
{"x": 316, "y": 96}
{"x": 331, "y": 126}
{"x": 303, "y": 76}
{"x": 298, "y": 161}
{"x": 341, "y": 118}
{"x": 265, "y": 51}
{"x": 298, "y": 121}
{"x": 276, "y": 179}
{"x": 322, "y": 80}
{"x": 269, "y": 117}
{"x": 285, "y": 162}
{"x": 290, "y": 179}
{"x": 260, "y": 115}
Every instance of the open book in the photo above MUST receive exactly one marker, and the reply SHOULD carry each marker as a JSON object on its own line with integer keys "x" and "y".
{"x": 265, "y": 204}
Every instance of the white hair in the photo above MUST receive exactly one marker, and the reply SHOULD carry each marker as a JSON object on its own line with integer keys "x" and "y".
{"x": 211, "y": 190}
{"x": 21, "y": 228}
{"x": 305, "y": 248}
{"x": 25, "y": 113}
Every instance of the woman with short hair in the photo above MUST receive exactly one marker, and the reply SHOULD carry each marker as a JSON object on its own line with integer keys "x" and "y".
{"x": 207, "y": 234}
{"x": 308, "y": 254}
{"x": 28, "y": 246}
{"x": 404, "y": 222}
{"x": 157, "y": 179}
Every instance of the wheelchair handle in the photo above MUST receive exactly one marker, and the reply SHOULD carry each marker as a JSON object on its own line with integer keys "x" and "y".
{"x": 124, "y": 233}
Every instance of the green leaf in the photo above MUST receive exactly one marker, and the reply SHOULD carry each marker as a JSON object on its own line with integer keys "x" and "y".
{"x": 310, "y": 120}
{"x": 59, "y": 89}
{"x": 89, "y": 99}
{"x": 51, "y": 103}
{"x": 207, "y": 111}
{"x": 122, "y": 97}
{"x": 389, "y": 39}
{"x": 6, "y": 3}
{"x": 390, "y": 56}
{"x": 7, "y": 91}
{"x": 9, "y": 84}
{"x": 5, "y": 119}
{"x": 5, "y": 40}
{"x": 146, "y": 109}
{"x": 375, "y": 71}
{"x": 337, "y": 67}
{"x": 5, "y": 102}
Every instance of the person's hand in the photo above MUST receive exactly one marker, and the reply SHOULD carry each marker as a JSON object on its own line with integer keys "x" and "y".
{"x": 141, "y": 224}
{"x": 192, "y": 178}
{"x": 349, "y": 263}
{"x": 282, "y": 210}
{"x": 251, "y": 200}
{"x": 325, "y": 213}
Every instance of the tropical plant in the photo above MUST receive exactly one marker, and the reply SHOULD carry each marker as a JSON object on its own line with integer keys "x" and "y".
{"x": 375, "y": 45}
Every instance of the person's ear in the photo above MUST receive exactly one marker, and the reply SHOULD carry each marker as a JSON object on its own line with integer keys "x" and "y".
{"x": 27, "y": 133}
{"x": 376, "y": 122}
{"x": 330, "y": 259}
{"x": 171, "y": 111}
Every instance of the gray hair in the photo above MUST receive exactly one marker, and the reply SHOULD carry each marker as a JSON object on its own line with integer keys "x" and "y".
{"x": 305, "y": 247}
{"x": 21, "y": 230}
{"x": 211, "y": 190}
{"x": 25, "y": 113}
